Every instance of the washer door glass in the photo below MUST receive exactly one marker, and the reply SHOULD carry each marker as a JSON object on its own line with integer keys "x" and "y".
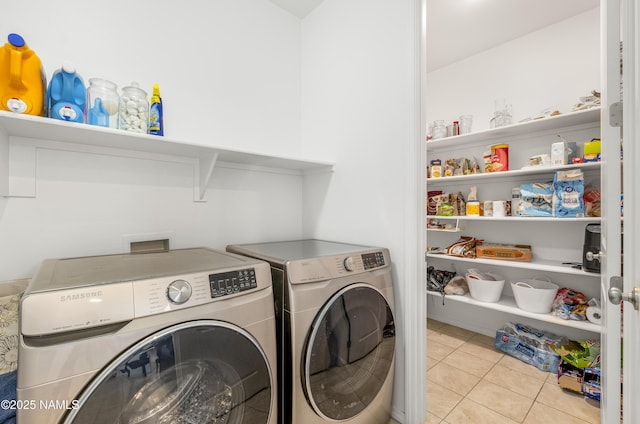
{"x": 349, "y": 352}
{"x": 204, "y": 372}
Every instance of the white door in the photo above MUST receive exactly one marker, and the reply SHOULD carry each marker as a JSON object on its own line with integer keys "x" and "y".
{"x": 620, "y": 20}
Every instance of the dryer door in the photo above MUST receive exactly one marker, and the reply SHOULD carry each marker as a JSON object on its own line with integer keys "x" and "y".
{"x": 349, "y": 352}
{"x": 197, "y": 372}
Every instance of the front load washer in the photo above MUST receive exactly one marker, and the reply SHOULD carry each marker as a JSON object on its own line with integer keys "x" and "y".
{"x": 184, "y": 336}
{"x": 336, "y": 330}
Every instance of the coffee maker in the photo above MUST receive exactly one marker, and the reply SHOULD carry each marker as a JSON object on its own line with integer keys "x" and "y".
{"x": 591, "y": 248}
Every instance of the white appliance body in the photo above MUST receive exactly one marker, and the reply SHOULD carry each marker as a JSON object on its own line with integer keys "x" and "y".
{"x": 336, "y": 329}
{"x": 148, "y": 338}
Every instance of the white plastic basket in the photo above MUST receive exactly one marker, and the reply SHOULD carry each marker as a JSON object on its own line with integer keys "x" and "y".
{"x": 485, "y": 290}
{"x": 534, "y": 295}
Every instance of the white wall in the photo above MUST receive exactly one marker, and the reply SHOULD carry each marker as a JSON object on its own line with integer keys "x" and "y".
{"x": 90, "y": 204}
{"x": 358, "y": 90}
{"x": 233, "y": 73}
{"x": 229, "y": 71}
{"x": 552, "y": 67}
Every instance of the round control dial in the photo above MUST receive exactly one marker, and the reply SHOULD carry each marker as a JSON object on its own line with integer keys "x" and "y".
{"x": 349, "y": 263}
{"x": 179, "y": 291}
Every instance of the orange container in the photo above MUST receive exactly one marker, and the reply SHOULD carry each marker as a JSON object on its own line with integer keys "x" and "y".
{"x": 23, "y": 83}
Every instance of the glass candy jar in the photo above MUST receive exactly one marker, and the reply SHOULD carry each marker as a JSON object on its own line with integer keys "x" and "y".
{"x": 134, "y": 109}
{"x": 102, "y": 103}
{"x": 439, "y": 130}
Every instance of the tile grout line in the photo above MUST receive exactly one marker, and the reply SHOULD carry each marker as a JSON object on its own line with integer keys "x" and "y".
{"x": 481, "y": 378}
{"x": 485, "y": 406}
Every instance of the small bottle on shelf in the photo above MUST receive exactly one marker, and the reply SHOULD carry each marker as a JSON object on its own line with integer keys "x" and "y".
{"x": 156, "y": 124}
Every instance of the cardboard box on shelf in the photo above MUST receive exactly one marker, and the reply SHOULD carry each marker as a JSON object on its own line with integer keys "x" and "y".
{"x": 506, "y": 252}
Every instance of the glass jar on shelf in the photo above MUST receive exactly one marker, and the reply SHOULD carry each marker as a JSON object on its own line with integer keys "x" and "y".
{"x": 102, "y": 103}
{"x": 439, "y": 130}
{"x": 503, "y": 114}
{"x": 134, "y": 109}
{"x": 465, "y": 124}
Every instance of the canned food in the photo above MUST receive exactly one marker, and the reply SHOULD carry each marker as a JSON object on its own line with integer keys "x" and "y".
{"x": 436, "y": 168}
{"x": 487, "y": 208}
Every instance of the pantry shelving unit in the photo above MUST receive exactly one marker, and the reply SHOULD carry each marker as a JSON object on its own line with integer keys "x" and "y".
{"x": 22, "y": 135}
{"x": 551, "y": 123}
{"x": 532, "y": 171}
{"x": 536, "y": 264}
{"x": 507, "y": 304}
{"x": 556, "y": 242}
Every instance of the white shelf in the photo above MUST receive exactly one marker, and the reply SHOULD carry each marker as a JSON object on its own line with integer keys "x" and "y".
{"x": 538, "y": 170}
{"x": 541, "y": 265}
{"x": 508, "y": 305}
{"x": 584, "y": 117}
{"x": 514, "y": 218}
{"x": 446, "y": 230}
{"x": 52, "y": 133}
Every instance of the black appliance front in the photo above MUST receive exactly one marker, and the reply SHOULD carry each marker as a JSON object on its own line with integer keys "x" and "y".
{"x": 203, "y": 371}
{"x": 591, "y": 248}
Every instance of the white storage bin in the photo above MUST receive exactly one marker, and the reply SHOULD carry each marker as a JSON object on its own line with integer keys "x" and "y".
{"x": 534, "y": 295}
{"x": 485, "y": 290}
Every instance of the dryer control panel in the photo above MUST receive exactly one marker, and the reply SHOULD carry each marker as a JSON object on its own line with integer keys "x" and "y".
{"x": 373, "y": 260}
{"x": 325, "y": 268}
{"x": 232, "y": 282}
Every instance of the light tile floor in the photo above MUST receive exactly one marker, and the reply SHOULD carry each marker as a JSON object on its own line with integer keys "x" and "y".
{"x": 470, "y": 381}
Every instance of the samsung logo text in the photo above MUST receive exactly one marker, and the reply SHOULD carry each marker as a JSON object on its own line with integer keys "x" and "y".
{"x": 80, "y": 296}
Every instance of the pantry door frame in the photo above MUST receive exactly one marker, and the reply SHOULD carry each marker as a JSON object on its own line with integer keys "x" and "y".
{"x": 611, "y": 239}
{"x": 631, "y": 268}
{"x": 619, "y": 21}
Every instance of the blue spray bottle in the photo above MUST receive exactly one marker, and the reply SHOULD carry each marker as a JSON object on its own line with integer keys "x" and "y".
{"x": 156, "y": 124}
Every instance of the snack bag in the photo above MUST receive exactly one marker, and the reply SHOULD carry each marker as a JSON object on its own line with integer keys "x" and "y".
{"x": 465, "y": 247}
{"x": 536, "y": 199}
{"x": 568, "y": 192}
{"x": 592, "y": 202}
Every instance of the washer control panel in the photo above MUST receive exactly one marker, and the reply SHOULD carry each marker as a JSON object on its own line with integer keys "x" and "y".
{"x": 95, "y": 291}
{"x": 231, "y": 282}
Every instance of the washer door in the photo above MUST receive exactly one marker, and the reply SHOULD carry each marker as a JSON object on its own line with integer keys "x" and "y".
{"x": 195, "y": 372}
{"x": 349, "y": 352}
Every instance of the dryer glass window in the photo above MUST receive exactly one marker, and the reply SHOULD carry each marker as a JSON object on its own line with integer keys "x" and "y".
{"x": 205, "y": 372}
{"x": 349, "y": 352}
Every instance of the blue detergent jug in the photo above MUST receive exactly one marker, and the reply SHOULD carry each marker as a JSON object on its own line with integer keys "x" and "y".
{"x": 66, "y": 95}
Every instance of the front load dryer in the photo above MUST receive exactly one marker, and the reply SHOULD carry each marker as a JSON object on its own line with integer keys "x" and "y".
{"x": 184, "y": 336}
{"x": 336, "y": 330}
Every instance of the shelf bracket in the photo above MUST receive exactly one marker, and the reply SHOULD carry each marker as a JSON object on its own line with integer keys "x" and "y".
{"x": 203, "y": 174}
{"x": 22, "y": 170}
